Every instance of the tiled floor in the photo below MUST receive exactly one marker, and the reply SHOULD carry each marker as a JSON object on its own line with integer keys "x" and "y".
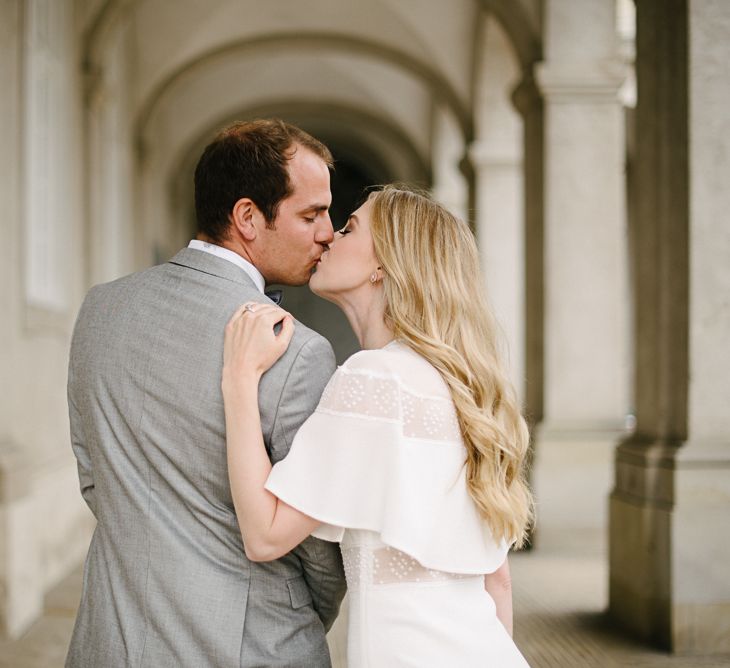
{"x": 560, "y": 598}
{"x": 560, "y": 593}
{"x": 44, "y": 644}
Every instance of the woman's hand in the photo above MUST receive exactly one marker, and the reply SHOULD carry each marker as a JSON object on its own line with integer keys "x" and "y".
{"x": 250, "y": 347}
{"x": 499, "y": 587}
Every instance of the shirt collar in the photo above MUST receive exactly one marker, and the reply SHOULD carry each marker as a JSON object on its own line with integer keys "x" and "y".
{"x": 229, "y": 255}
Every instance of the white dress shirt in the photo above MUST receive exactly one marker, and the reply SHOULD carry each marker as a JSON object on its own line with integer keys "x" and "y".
{"x": 229, "y": 255}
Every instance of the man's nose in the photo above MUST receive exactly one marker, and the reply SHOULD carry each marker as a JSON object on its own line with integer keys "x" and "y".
{"x": 325, "y": 233}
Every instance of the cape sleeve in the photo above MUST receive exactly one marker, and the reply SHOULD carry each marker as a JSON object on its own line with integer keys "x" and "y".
{"x": 377, "y": 456}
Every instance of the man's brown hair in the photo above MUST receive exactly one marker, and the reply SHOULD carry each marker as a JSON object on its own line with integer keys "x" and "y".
{"x": 248, "y": 159}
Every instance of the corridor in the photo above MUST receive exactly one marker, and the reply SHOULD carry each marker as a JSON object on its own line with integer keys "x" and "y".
{"x": 560, "y": 593}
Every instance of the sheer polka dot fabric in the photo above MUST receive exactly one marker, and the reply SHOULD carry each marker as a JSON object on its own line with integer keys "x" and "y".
{"x": 379, "y": 396}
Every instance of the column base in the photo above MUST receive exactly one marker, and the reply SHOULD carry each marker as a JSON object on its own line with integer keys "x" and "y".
{"x": 45, "y": 530}
{"x": 572, "y": 477}
{"x": 670, "y": 545}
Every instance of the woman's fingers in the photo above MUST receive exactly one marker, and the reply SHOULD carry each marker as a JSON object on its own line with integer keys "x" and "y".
{"x": 287, "y": 330}
{"x": 251, "y": 310}
{"x": 250, "y": 339}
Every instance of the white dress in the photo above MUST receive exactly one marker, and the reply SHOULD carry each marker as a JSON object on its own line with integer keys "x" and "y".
{"x": 381, "y": 464}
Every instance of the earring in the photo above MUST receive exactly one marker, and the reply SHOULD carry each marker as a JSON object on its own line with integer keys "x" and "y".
{"x": 373, "y": 277}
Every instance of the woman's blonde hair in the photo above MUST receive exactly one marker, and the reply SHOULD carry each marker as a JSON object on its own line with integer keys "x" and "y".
{"x": 435, "y": 303}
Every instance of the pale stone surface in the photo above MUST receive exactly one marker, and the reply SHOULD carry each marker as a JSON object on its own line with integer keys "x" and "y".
{"x": 496, "y": 156}
{"x": 111, "y": 169}
{"x": 449, "y": 185}
{"x": 585, "y": 339}
{"x": 579, "y": 30}
{"x": 529, "y": 103}
{"x": 44, "y": 530}
{"x": 709, "y": 238}
{"x": 21, "y": 589}
{"x": 572, "y": 482}
{"x": 670, "y": 527}
{"x": 586, "y": 357}
{"x": 399, "y": 26}
{"x": 585, "y": 265}
{"x": 37, "y": 477}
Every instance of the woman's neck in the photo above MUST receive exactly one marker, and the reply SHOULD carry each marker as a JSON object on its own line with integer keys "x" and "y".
{"x": 366, "y": 320}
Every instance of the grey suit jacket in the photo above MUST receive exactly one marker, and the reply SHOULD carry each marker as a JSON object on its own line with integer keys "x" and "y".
{"x": 166, "y": 581}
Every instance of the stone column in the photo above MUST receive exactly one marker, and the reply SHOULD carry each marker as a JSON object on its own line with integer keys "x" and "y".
{"x": 496, "y": 156}
{"x": 500, "y": 232}
{"x": 670, "y": 523}
{"x": 450, "y": 183}
{"x": 21, "y": 595}
{"x": 44, "y": 526}
{"x": 110, "y": 227}
{"x": 529, "y": 103}
{"x": 585, "y": 338}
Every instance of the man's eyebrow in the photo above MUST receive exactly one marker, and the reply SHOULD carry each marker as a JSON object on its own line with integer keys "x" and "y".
{"x": 315, "y": 207}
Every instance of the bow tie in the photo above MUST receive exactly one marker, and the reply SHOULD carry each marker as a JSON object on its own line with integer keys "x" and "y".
{"x": 276, "y": 296}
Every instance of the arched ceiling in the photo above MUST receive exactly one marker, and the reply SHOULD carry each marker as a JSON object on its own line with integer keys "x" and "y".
{"x": 299, "y": 46}
{"x": 227, "y": 85}
{"x": 194, "y": 63}
{"x": 170, "y": 35}
{"x": 433, "y": 42}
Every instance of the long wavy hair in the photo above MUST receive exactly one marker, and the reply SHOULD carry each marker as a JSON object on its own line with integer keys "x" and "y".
{"x": 436, "y": 303}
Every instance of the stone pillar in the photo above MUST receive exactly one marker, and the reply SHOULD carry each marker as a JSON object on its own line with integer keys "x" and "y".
{"x": 44, "y": 526}
{"x": 586, "y": 358}
{"x": 450, "y": 183}
{"x": 496, "y": 156}
{"x": 529, "y": 103}
{"x": 111, "y": 223}
{"x": 500, "y": 232}
{"x": 669, "y": 521}
{"x": 21, "y": 596}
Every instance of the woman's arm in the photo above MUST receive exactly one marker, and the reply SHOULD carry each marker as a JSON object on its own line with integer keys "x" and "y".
{"x": 499, "y": 587}
{"x": 270, "y": 528}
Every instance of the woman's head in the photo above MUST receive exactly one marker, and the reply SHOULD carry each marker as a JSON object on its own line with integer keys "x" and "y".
{"x": 349, "y": 270}
{"x": 422, "y": 263}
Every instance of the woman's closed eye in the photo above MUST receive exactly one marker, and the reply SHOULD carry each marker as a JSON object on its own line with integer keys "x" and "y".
{"x": 344, "y": 231}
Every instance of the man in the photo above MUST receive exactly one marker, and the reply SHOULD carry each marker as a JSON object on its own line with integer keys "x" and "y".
{"x": 166, "y": 581}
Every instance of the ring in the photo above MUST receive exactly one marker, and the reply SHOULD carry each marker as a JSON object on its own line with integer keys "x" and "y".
{"x": 249, "y": 308}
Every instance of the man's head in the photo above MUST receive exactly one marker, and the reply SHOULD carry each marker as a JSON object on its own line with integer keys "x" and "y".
{"x": 262, "y": 189}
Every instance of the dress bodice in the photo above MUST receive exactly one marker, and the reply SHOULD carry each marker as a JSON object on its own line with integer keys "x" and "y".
{"x": 369, "y": 561}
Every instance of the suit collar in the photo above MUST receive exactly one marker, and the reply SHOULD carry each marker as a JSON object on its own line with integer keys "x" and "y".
{"x": 215, "y": 266}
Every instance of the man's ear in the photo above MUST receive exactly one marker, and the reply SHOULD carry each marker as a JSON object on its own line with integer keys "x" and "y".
{"x": 243, "y": 217}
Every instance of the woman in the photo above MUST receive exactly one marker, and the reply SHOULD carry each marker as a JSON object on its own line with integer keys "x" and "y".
{"x": 414, "y": 458}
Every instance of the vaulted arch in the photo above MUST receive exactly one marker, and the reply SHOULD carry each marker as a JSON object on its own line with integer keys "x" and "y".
{"x": 294, "y": 42}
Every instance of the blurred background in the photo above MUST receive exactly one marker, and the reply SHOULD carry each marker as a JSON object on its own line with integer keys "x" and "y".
{"x": 587, "y": 142}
